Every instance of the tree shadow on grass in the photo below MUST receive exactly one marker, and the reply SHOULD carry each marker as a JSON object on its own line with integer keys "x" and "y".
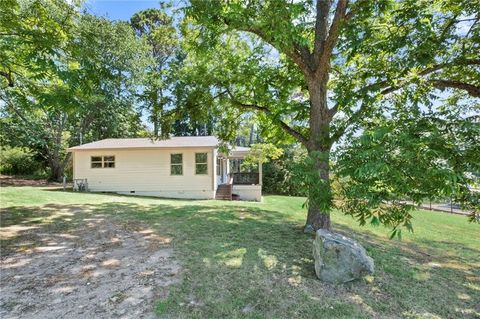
{"x": 126, "y": 196}
{"x": 243, "y": 261}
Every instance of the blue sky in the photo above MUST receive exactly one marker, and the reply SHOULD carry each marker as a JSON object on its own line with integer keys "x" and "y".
{"x": 118, "y": 9}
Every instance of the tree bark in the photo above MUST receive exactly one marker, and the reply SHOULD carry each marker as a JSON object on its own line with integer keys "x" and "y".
{"x": 57, "y": 169}
{"x": 155, "y": 124}
{"x": 318, "y": 218}
{"x": 319, "y": 146}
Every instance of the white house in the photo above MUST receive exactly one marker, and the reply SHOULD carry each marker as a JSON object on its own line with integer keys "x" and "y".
{"x": 178, "y": 167}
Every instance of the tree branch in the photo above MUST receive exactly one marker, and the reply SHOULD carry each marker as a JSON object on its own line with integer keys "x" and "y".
{"x": 298, "y": 53}
{"x": 472, "y": 90}
{"x": 321, "y": 27}
{"x": 331, "y": 40}
{"x": 9, "y": 77}
{"x": 384, "y": 84}
{"x": 351, "y": 13}
{"x": 252, "y": 106}
{"x": 339, "y": 133}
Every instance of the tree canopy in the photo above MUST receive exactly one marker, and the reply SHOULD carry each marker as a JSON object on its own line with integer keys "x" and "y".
{"x": 157, "y": 28}
{"x": 325, "y": 72}
{"x": 75, "y": 82}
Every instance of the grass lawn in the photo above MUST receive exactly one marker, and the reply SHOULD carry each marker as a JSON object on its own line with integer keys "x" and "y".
{"x": 251, "y": 260}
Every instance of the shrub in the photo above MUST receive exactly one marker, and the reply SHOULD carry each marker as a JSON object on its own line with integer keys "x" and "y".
{"x": 18, "y": 161}
{"x": 279, "y": 175}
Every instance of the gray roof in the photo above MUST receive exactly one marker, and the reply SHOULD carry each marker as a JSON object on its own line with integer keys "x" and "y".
{"x": 172, "y": 142}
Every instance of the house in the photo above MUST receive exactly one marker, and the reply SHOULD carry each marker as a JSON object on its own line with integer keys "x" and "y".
{"x": 189, "y": 167}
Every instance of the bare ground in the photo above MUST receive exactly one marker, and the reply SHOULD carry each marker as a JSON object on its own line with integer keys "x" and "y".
{"x": 98, "y": 268}
{"x": 8, "y": 180}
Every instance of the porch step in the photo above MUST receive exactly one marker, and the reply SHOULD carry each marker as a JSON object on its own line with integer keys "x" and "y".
{"x": 224, "y": 192}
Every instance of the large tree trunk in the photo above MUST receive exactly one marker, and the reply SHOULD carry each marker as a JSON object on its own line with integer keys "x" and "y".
{"x": 57, "y": 164}
{"x": 57, "y": 169}
{"x": 319, "y": 145}
{"x": 316, "y": 219}
{"x": 319, "y": 194}
{"x": 155, "y": 125}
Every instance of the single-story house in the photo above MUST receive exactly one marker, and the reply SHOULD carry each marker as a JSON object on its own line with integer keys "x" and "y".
{"x": 190, "y": 167}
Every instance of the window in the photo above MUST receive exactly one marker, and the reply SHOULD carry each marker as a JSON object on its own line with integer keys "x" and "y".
{"x": 176, "y": 164}
{"x": 219, "y": 167}
{"x": 109, "y": 161}
{"x": 102, "y": 161}
{"x": 96, "y": 161}
{"x": 201, "y": 163}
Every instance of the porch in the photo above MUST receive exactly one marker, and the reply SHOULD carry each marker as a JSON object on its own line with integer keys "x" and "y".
{"x": 234, "y": 180}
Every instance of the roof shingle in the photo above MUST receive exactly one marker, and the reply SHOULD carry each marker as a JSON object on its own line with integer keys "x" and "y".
{"x": 172, "y": 142}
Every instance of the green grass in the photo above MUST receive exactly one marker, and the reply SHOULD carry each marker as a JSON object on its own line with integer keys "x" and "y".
{"x": 251, "y": 260}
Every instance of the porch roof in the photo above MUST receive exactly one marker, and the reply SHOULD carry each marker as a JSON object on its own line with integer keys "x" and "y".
{"x": 239, "y": 152}
{"x": 236, "y": 152}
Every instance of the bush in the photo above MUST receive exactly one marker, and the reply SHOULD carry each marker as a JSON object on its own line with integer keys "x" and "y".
{"x": 18, "y": 161}
{"x": 279, "y": 175}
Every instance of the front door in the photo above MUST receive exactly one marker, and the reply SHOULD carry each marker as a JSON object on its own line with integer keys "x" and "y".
{"x": 221, "y": 171}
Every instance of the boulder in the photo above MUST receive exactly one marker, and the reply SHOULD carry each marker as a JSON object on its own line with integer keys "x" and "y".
{"x": 339, "y": 259}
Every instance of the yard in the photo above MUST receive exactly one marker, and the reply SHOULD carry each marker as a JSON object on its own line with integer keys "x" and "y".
{"x": 79, "y": 254}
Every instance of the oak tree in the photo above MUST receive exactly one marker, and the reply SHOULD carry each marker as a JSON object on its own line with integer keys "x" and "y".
{"x": 321, "y": 71}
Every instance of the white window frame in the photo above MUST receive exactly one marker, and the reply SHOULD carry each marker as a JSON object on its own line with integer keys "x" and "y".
{"x": 102, "y": 161}
{"x": 219, "y": 166}
{"x": 109, "y": 161}
{"x": 201, "y": 163}
{"x": 176, "y": 164}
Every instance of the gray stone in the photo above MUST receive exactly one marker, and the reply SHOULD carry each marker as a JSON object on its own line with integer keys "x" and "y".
{"x": 309, "y": 229}
{"x": 339, "y": 259}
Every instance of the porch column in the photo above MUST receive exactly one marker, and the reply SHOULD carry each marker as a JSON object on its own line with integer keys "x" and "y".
{"x": 227, "y": 169}
{"x": 214, "y": 169}
{"x": 260, "y": 174}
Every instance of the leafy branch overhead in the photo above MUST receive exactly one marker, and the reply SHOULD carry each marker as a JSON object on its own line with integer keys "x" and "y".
{"x": 262, "y": 153}
{"x": 323, "y": 72}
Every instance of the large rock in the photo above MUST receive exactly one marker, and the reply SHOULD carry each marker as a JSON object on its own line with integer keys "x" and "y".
{"x": 339, "y": 259}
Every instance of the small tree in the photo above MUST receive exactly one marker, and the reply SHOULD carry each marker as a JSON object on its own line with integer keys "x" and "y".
{"x": 156, "y": 26}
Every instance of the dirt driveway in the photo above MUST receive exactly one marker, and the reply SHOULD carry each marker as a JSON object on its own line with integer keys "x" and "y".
{"x": 99, "y": 268}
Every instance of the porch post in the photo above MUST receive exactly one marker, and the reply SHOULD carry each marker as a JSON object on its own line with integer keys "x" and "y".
{"x": 227, "y": 166}
{"x": 260, "y": 173}
{"x": 214, "y": 169}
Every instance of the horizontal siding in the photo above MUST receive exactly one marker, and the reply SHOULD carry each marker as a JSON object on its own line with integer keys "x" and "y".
{"x": 248, "y": 192}
{"x": 144, "y": 171}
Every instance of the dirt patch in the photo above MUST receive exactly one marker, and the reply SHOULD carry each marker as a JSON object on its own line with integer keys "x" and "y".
{"x": 100, "y": 269}
{"x": 6, "y": 180}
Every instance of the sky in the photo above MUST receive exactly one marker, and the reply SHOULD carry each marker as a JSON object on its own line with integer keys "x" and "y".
{"x": 118, "y": 9}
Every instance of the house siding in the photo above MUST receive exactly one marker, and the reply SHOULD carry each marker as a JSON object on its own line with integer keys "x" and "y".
{"x": 147, "y": 172}
{"x": 248, "y": 192}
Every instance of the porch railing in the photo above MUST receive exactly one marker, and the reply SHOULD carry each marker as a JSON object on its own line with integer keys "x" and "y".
{"x": 245, "y": 178}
